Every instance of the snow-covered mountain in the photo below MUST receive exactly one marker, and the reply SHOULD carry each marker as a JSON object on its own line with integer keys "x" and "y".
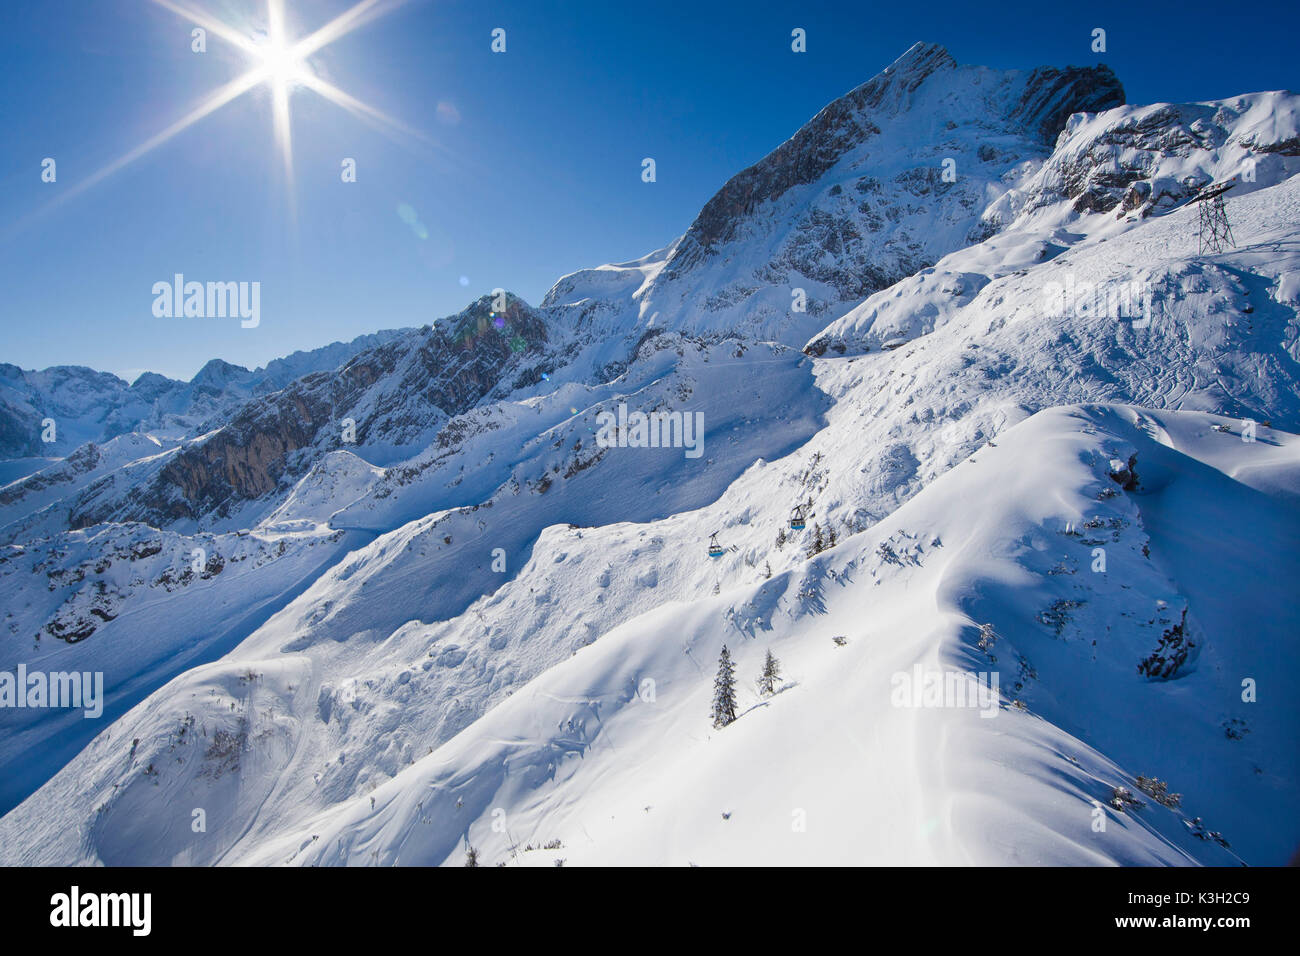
{"x": 90, "y": 406}
{"x": 418, "y": 601}
{"x": 919, "y": 161}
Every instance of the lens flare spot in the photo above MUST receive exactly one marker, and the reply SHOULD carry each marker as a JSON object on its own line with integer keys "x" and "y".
{"x": 447, "y": 113}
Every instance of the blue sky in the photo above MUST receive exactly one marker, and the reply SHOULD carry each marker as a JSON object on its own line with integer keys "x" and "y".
{"x": 528, "y": 165}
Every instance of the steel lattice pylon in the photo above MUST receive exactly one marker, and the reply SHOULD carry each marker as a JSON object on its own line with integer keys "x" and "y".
{"x": 1216, "y": 234}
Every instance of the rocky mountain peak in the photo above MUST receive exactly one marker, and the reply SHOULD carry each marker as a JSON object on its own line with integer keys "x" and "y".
{"x": 1046, "y": 99}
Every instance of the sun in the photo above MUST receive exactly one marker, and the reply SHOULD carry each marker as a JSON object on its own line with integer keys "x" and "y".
{"x": 283, "y": 66}
{"x": 275, "y": 62}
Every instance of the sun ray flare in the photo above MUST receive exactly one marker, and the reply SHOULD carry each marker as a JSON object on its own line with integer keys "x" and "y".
{"x": 283, "y": 68}
{"x": 211, "y": 24}
{"x": 345, "y": 23}
{"x": 276, "y": 61}
{"x": 210, "y": 104}
{"x": 364, "y": 110}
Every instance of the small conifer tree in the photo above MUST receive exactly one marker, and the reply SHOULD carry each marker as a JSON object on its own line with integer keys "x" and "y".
{"x": 818, "y": 542}
{"x": 724, "y": 690}
{"x": 771, "y": 674}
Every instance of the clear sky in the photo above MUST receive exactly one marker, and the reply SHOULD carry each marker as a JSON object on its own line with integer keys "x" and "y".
{"x": 515, "y": 167}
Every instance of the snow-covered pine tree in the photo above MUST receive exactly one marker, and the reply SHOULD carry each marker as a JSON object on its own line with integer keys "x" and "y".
{"x": 724, "y": 690}
{"x": 818, "y": 542}
{"x": 771, "y": 674}
{"x": 471, "y": 856}
{"x": 767, "y": 569}
{"x": 780, "y": 538}
{"x": 830, "y": 528}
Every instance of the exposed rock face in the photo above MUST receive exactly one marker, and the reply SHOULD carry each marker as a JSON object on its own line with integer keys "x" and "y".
{"x": 1124, "y": 163}
{"x": 879, "y": 184}
{"x": 395, "y": 395}
{"x": 1150, "y": 160}
{"x": 82, "y": 460}
{"x": 399, "y": 635}
{"x": 87, "y": 405}
{"x": 1052, "y": 96}
{"x": 241, "y": 461}
{"x": 1048, "y": 97}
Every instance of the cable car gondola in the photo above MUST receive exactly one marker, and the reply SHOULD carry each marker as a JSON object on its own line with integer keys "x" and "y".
{"x": 798, "y": 519}
{"x": 715, "y": 550}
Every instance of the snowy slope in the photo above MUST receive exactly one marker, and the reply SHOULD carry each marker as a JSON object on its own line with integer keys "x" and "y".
{"x": 139, "y": 606}
{"x": 53, "y": 480}
{"x": 585, "y": 757}
{"x": 1151, "y": 160}
{"x": 831, "y": 770}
